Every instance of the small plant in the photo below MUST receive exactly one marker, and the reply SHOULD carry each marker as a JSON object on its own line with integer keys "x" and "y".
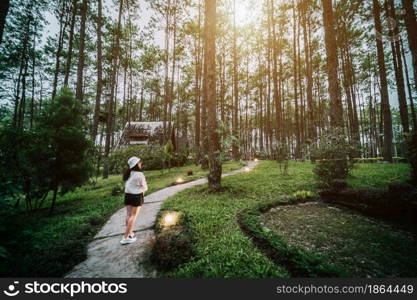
{"x": 304, "y": 194}
{"x": 334, "y": 156}
{"x": 243, "y": 163}
{"x": 172, "y": 245}
{"x": 117, "y": 190}
{"x": 282, "y": 155}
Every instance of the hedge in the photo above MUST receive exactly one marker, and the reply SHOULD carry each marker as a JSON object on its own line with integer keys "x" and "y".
{"x": 153, "y": 158}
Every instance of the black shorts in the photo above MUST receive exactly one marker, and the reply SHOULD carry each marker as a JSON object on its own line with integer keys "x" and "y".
{"x": 134, "y": 199}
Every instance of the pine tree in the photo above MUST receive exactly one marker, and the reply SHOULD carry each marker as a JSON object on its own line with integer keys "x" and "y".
{"x": 4, "y": 9}
{"x": 336, "y": 108}
{"x": 64, "y": 133}
{"x": 215, "y": 171}
{"x": 385, "y": 105}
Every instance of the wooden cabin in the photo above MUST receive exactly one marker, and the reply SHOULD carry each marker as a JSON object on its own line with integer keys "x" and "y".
{"x": 144, "y": 133}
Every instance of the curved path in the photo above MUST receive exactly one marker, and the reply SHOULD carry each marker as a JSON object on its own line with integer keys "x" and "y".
{"x": 106, "y": 258}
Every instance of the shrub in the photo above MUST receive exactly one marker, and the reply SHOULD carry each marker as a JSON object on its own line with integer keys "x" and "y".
{"x": 172, "y": 245}
{"x": 65, "y": 134}
{"x": 373, "y": 160}
{"x": 264, "y": 155}
{"x": 181, "y": 157}
{"x": 118, "y": 189}
{"x": 152, "y": 156}
{"x": 334, "y": 156}
{"x": 304, "y": 194}
{"x": 397, "y": 203}
{"x": 53, "y": 156}
{"x": 282, "y": 155}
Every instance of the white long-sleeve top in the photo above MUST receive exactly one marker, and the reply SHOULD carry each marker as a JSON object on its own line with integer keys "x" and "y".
{"x": 136, "y": 184}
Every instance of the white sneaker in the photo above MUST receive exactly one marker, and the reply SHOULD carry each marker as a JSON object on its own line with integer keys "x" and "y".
{"x": 128, "y": 240}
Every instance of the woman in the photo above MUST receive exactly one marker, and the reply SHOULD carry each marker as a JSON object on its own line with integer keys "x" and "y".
{"x": 135, "y": 187}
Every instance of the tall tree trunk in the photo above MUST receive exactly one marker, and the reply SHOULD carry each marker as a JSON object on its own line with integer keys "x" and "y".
{"x": 204, "y": 130}
{"x": 235, "y": 118}
{"x": 79, "y": 93}
{"x": 411, "y": 26}
{"x": 349, "y": 95}
{"x": 276, "y": 94}
{"x": 215, "y": 171}
{"x": 99, "y": 87}
{"x": 166, "y": 84}
{"x": 4, "y": 10}
{"x": 336, "y": 108}
{"x": 62, "y": 26}
{"x": 71, "y": 42}
{"x": 142, "y": 102}
{"x": 398, "y": 66}
{"x": 174, "y": 61}
{"x": 113, "y": 93}
{"x": 385, "y": 105}
{"x": 297, "y": 152}
{"x": 19, "y": 79}
{"x": 197, "y": 83}
{"x": 309, "y": 73}
{"x": 410, "y": 91}
{"x": 32, "y": 102}
{"x": 22, "y": 108}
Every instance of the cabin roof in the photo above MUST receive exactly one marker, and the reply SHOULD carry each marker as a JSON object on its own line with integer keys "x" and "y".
{"x": 150, "y": 127}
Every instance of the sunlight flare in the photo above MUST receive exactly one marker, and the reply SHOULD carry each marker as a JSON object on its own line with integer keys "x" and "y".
{"x": 245, "y": 12}
{"x": 170, "y": 219}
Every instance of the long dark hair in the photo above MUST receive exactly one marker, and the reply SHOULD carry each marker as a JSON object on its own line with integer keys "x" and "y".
{"x": 126, "y": 173}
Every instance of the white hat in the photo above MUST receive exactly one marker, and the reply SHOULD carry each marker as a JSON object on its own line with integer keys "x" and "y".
{"x": 133, "y": 161}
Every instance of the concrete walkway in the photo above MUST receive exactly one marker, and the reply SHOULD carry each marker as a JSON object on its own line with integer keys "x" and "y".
{"x": 107, "y": 258}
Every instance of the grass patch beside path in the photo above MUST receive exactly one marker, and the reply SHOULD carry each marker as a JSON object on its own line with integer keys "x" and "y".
{"x": 360, "y": 246}
{"x": 378, "y": 175}
{"x": 222, "y": 250}
{"x": 49, "y": 246}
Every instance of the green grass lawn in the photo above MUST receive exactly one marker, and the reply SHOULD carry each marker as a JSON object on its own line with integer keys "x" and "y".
{"x": 42, "y": 245}
{"x": 222, "y": 250}
{"x": 360, "y": 246}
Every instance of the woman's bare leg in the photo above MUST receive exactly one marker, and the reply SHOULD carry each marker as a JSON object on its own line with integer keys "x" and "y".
{"x": 131, "y": 221}
{"x": 134, "y": 215}
{"x": 128, "y": 213}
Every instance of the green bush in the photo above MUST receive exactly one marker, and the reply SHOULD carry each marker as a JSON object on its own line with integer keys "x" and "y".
{"x": 152, "y": 156}
{"x": 55, "y": 155}
{"x": 304, "y": 194}
{"x": 118, "y": 189}
{"x": 282, "y": 155}
{"x": 373, "y": 160}
{"x": 263, "y": 155}
{"x": 172, "y": 245}
{"x": 334, "y": 156}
